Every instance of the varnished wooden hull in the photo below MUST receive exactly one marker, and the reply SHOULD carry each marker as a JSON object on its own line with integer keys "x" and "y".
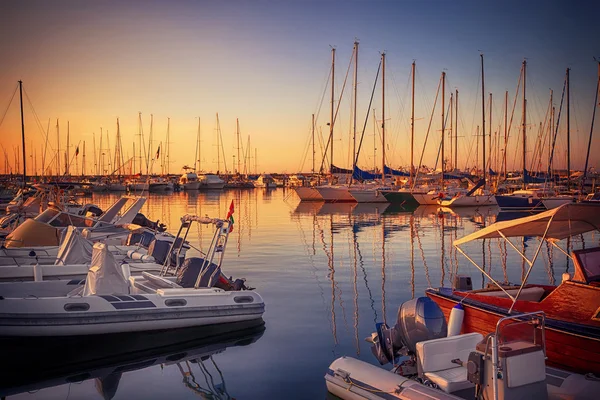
{"x": 569, "y": 345}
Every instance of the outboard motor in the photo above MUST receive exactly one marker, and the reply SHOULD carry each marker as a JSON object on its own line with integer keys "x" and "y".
{"x": 419, "y": 319}
{"x": 192, "y": 267}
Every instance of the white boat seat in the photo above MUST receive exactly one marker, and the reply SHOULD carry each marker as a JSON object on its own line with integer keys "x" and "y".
{"x": 435, "y": 360}
{"x": 159, "y": 281}
{"x": 527, "y": 294}
{"x": 450, "y": 380}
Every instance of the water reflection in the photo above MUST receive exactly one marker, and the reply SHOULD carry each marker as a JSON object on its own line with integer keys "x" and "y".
{"x": 105, "y": 361}
{"x": 381, "y": 255}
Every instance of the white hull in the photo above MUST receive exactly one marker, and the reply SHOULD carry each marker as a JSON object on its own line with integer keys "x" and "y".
{"x": 138, "y": 186}
{"x": 212, "y": 186}
{"x": 160, "y": 187}
{"x": 426, "y": 199}
{"x": 308, "y": 193}
{"x": 469, "y": 201}
{"x": 191, "y": 186}
{"x": 61, "y": 315}
{"x": 553, "y": 202}
{"x": 367, "y": 196}
{"x": 335, "y": 193}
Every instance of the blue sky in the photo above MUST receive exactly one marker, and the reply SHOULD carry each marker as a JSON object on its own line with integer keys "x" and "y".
{"x": 266, "y": 62}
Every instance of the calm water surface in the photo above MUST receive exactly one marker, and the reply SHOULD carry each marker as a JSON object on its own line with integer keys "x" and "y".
{"x": 327, "y": 273}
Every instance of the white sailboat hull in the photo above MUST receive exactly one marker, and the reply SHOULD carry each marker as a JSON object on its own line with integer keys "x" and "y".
{"x": 469, "y": 201}
{"x": 191, "y": 186}
{"x": 426, "y": 199}
{"x": 553, "y": 202}
{"x": 367, "y": 196}
{"x": 335, "y": 193}
{"x": 308, "y": 193}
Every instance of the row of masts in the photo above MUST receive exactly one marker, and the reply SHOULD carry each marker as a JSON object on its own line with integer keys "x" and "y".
{"x": 454, "y": 112}
{"x": 107, "y": 161}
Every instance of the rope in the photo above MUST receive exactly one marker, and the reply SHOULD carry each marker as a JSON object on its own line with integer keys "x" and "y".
{"x": 8, "y": 105}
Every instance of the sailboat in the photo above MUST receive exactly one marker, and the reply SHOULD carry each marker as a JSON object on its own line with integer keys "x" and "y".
{"x": 477, "y": 196}
{"x": 339, "y": 192}
{"x": 189, "y": 179}
{"x": 371, "y": 193}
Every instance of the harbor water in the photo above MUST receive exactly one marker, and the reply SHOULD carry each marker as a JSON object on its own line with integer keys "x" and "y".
{"x": 327, "y": 273}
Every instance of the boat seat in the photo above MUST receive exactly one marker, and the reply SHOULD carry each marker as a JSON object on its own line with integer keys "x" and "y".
{"x": 527, "y": 294}
{"x": 160, "y": 281}
{"x": 435, "y": 357}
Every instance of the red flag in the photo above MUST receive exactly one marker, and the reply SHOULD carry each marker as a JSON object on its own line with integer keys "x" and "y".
{"x": 230, "y": 216}
{"x": 77, "y": 151}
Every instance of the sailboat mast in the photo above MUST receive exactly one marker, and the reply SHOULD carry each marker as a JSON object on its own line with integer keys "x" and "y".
{"x": 456, "y": 132}
{"x": 83, "y": 160}
{"x": 505, "y": 130}
{"x": 168, "y": 143}
{"x": 490, "y": 133}
{"x": 412, "y": 126}
{"x": 355, "y": 98}
{"x": 383, "y": 119}
{"x": 568, "y": 133}
{"x": 313, "y": 144}
{"x": 451, "y": 127}
{"x": 524, "y": 123}
{"x": 237, "y": 122}
{"x": 140, "y": 142}
{"x": 587, "y": 157}
{"x": 22, "y": 132}
{"x": 332, "y": 107}
{"x": 443, "y": 123}
{"x": 218, "y": 148}
{"x": 196, "y": 159}
{"x": 483, "y": 116}
{"x": 67, "y": 172}
{"x": 58, "y": 149}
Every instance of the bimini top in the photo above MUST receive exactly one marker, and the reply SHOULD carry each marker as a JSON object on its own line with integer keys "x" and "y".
{"x": 559, "y": 223}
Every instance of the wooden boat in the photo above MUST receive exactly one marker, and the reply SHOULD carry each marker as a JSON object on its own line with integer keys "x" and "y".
{"x": 572, "y": 308}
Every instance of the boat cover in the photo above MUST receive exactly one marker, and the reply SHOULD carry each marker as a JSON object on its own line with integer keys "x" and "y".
{"x": 105, "y": 275}
{"x": 74, "y": 248}
{"x": 32, "y": 233}
{"x": 567, "y": 220}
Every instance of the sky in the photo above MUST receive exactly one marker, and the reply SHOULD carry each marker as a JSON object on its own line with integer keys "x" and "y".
{"x": 267, "y": 64}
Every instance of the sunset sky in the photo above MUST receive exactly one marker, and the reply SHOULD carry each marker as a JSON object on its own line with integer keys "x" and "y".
{"x": 267, "y": 63}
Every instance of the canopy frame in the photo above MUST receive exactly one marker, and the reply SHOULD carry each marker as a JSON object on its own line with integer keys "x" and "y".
{"x": 527, "y": 260}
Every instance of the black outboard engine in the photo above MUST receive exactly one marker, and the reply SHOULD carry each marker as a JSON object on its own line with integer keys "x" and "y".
{"x": 159, "y": 249}
{"x": 419, "y": 319}
{"x": 194, "y": 266}
{"x": 141, "y": 220}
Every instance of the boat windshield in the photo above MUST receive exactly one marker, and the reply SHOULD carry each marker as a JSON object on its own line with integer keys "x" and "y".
{"x": 65, "y": 219}
{"x": 589, "y": 263}
{"x": 47, "y": 215}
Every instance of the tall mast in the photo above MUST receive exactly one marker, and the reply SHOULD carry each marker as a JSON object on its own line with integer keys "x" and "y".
{"x": 568, "y": 133}
{"x": 490, "y": 133}
{"x": 67, "y": 172}
{"x": 412, "y": 126}
{"x": 237, "y": 122}
{"x": 58, "y": 149}
{"x": 313, "y": 144}
{"x": 587, "y": 157}
{"x": 140, "y": 141}
{"x": 443, "y": 123}
{"x": 83, "y": 160}
{"x": 383, "y": 119}
{"x": 332, "y": 106}
{"x": 196, "y": 157}
{"x": 355, "y": 98}
{"x": 456, "y": 132}
{"x": 101, "y": 155}
{"x": 550, "y": 132}
{"x": 22, "y": 132}
{"x": 168, "y": 143}
{"x": 451, "y": 127}
{"x": 218, "y": 148}
{"x": 524, "y": 123}
{"x": 95, "y": 157}
{"x": 483, "y": 116}
{"x": 150, "y": 142}
{"x": 133, "y": 168}
{"x": 505, "y": 130}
